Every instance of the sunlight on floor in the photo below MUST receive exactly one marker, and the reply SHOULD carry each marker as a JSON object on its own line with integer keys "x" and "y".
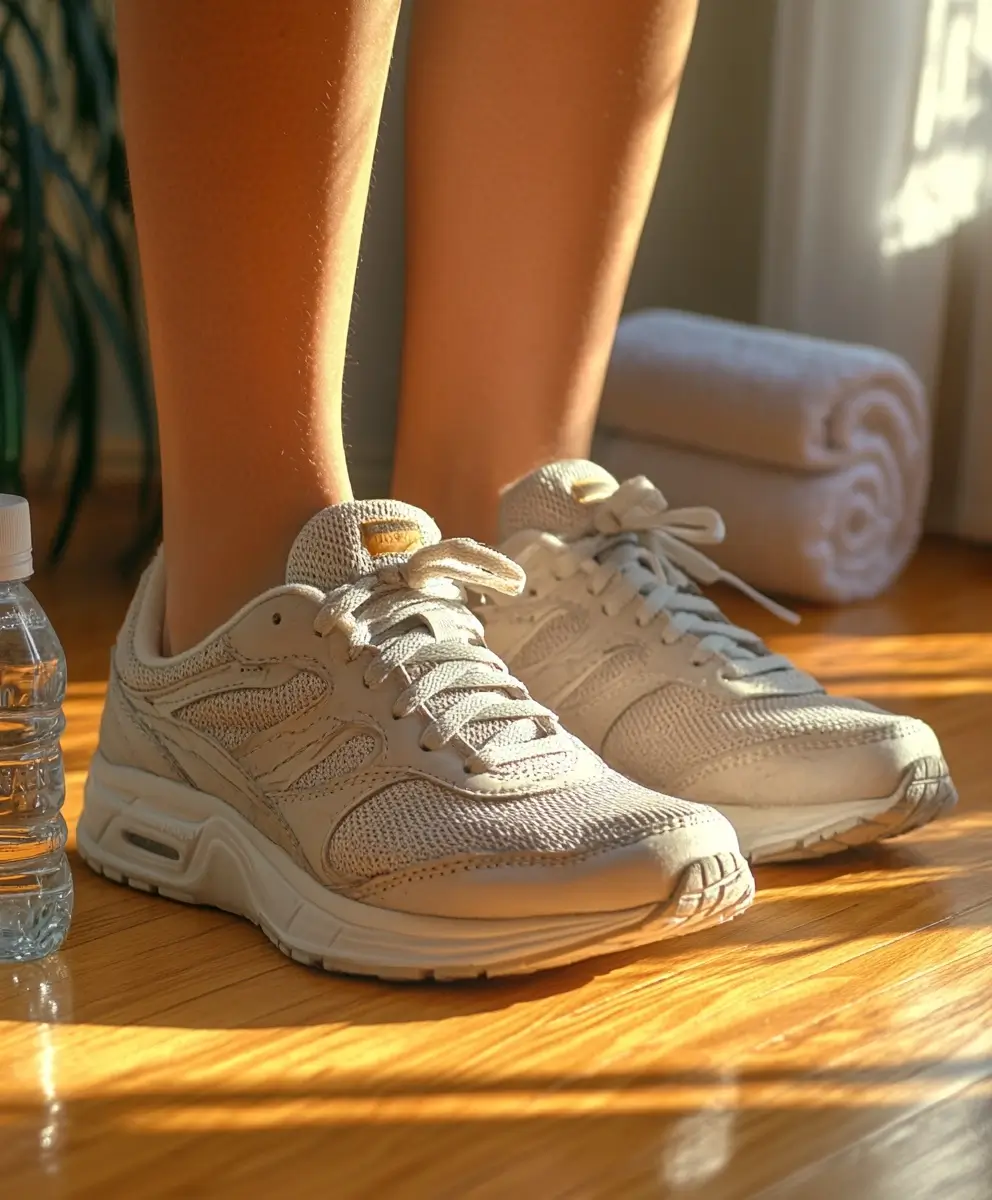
{"x": 628, "y": 1097}
{"x": 882, "y": 881}
{"x": 853, "y": 998}
{"x": 926, "y": 664}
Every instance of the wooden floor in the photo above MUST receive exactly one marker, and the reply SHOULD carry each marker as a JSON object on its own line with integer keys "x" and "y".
{"x": 836, "y": 1041}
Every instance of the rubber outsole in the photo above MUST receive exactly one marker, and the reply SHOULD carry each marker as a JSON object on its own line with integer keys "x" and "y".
{"x": 190, "y": 847}
{"x": 925, "y": 793}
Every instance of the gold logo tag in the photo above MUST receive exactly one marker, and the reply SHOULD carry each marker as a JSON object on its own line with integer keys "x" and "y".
{"x": 587, "y": 491}
{"x": 391, "y": 537}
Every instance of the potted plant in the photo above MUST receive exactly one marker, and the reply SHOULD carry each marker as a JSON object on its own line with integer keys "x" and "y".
{"x": 65, "y": 222}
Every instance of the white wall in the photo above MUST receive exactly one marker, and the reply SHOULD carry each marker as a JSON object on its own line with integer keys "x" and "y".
{"x": 701, "y": 247}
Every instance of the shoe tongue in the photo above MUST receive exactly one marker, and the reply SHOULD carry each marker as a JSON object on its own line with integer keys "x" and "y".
{"x": 558, "y": 499}
{"x": 555, "y": 498}
{"x": 346, "y": 541}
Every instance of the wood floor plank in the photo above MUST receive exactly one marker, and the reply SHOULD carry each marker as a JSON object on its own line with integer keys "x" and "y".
{"x": 835, "y": 1040}
{"x": 941, "y": 1149}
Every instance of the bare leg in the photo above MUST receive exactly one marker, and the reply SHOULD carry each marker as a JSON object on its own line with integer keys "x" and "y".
{"x": 534, "y": 133}
{"x": 251, "y": 127}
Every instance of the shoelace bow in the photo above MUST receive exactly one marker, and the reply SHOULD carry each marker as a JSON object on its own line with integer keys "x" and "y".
{"x": 653, "y": 548}
{"x": 414, "y": 615}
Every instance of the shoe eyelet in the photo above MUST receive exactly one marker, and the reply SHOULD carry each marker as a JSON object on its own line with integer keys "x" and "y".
{"x": 277, "y": 618}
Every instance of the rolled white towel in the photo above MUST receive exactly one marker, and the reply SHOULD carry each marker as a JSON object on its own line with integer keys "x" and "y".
{"x": 816, "y": 453}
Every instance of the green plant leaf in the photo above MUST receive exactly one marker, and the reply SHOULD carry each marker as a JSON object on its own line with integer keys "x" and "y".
{"x": 35, "y": 252}
{"x": 118, "y": 181}
{"x": 27, "y": 212}
{"x": 140, "y": 392}
{"x": 17, "y": 17}
{"x": 11, "y": 410}
{"x": 22, "y": 268}
{"x": 85, "y": 46}
{"x": 27, "y": 305}
{"x": 58, "y": 288}
{"x": 126, "y": 348}
{"x": 32, "y": 243}
{"x": 80, "y": 405}
{"x": 99, "y": 219}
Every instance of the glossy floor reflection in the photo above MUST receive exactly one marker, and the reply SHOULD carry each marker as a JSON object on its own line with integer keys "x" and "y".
{"x": 837, "y": 1040}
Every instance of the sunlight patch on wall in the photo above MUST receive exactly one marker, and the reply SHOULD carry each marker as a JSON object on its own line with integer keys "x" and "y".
{"x": 947, "y": 178}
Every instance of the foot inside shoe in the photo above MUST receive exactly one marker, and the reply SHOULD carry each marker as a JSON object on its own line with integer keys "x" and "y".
{"x": 613, "y": 633}
{"x": 347, "y": 764}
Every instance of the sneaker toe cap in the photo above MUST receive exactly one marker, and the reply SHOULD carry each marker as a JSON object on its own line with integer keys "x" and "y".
{"x": 643, "y": 871}
{"x": 815, "y": 771}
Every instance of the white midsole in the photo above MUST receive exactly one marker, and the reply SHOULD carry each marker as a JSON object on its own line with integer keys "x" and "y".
{"x": 222, "y": 860}
{"x": 761, "y": 827}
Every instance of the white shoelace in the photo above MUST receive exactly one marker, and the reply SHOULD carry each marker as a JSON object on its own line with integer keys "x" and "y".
{"x": 643, "y": 550}
{"x": 415, "y": 618}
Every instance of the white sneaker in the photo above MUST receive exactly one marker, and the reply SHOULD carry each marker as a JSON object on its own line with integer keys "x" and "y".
{"x": 346, "y": 764}
{"x": 613, "y": 634}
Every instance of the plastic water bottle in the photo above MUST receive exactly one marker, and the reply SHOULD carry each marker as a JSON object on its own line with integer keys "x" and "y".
{"x": 35, "y": 883}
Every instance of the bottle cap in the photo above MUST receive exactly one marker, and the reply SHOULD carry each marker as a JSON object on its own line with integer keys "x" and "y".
{"x": 15, "y": 539}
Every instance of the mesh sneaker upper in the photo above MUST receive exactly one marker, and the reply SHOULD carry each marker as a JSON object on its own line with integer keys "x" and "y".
{"x": 346, "y": 758}
{"x": 417, "y": 821}
{"x": 698, "y": 728}
{"x": 232, "y": 717}
{"x": 300, "y": 737}
{"x": 637, "y": 697}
